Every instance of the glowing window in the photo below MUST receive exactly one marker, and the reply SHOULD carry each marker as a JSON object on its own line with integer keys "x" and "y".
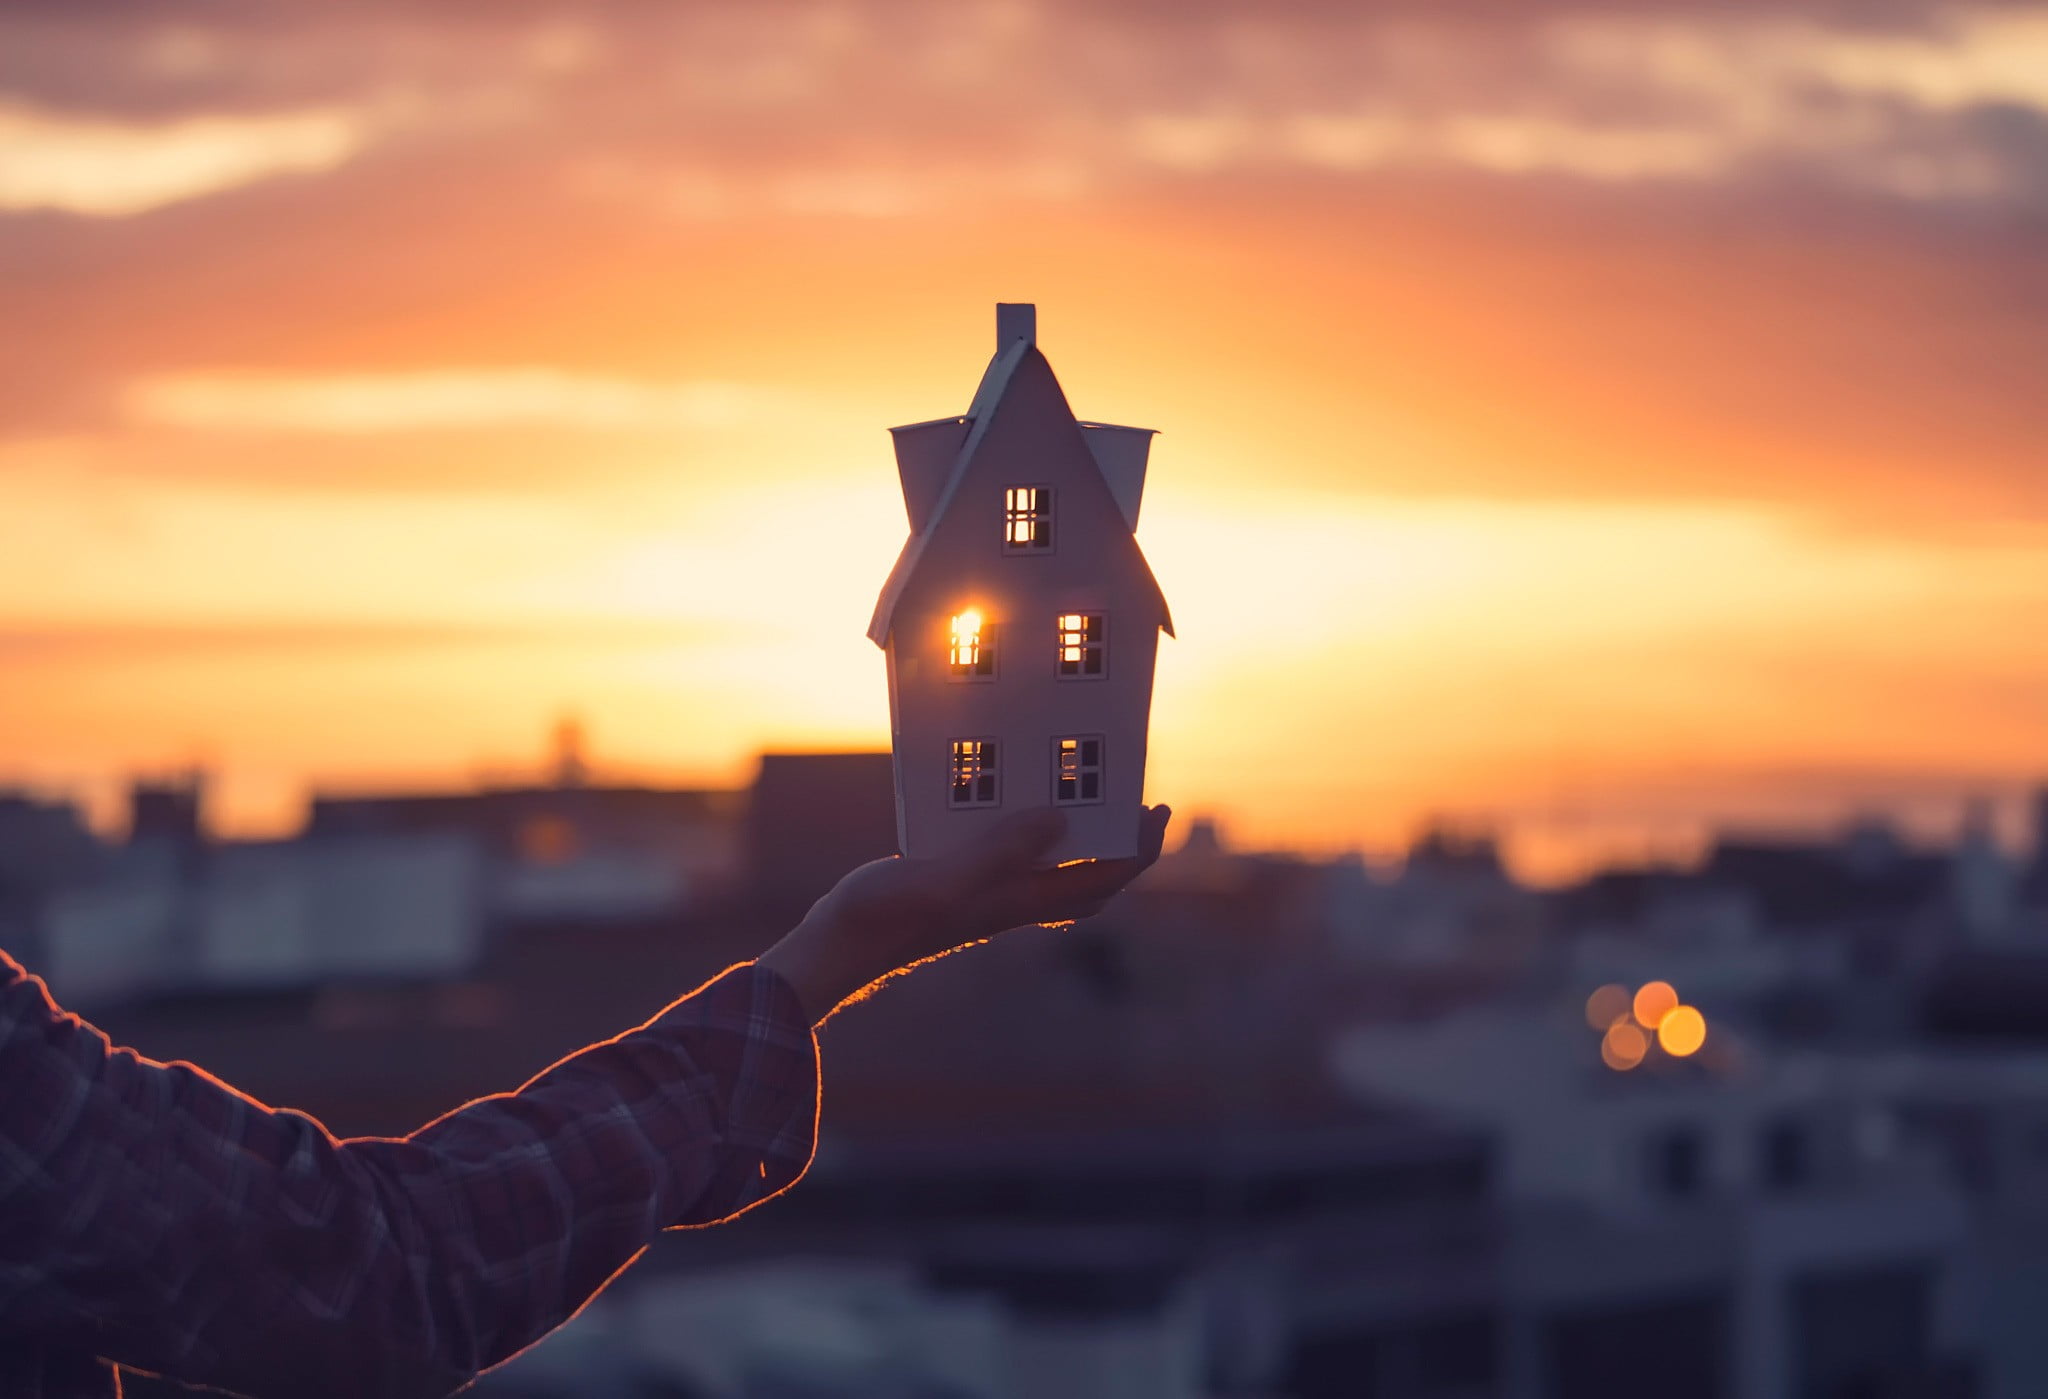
{"x": 1027, "y": 518}
{"x": 1083, "y": 645}
{"x": 548, "y": 840}
{"x": 974, "y": 772}
{"x": 971, "y": 647}
{"x": 1077, "y": 770}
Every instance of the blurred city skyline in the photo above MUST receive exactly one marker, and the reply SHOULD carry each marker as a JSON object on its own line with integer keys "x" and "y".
{"x": 1608, "y": 423}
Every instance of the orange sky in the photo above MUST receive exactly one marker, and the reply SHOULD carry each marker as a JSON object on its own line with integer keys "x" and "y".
{"x": 1596, "y": 422}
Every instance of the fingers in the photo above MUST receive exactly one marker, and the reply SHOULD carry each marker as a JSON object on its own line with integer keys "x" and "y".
{"x": 1091, "y": 881}
{"x": 1090, "y": 884}
{"x": 1009, "y": 848}
{"x": 1089, "y": 909}
{"x": 1007, "y": 858}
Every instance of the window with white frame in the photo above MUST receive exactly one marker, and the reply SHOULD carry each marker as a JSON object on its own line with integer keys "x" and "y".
{"x": 1084, "y": 646}
{"x": 971, "y": 647}
{"x": 1077, "y": 770}
{"x": 1027, "y": 519}
{"x": 974, "y": 772}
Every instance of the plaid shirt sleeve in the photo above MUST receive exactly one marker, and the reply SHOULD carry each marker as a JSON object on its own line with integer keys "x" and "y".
{"x": 153, "y": 1216}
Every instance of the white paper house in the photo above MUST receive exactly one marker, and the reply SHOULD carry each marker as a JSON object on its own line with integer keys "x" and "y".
{"x": 1021, "y": 620}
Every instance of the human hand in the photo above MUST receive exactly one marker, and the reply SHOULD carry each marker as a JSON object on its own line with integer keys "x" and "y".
{"x": 892, "y": 914}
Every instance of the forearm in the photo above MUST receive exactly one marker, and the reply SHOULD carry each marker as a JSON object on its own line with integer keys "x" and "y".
{"x": 287, "y": 1262}
{"x": 519, "y": 1208}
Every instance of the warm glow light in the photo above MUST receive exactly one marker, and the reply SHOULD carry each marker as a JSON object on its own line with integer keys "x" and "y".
{"x": 1682, "y": 1031}
{"x": 1623, "y": 1046}
{"x": 1070, "y": 637}
{"x": 1653, "y": 1002}
{"x": 966, "y": 639}
{"x": 1605, "y": 1006}
{"x": 548, "y": 840}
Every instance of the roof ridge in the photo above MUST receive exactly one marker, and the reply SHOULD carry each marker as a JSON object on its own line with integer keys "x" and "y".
{"x": 981, "y": 412}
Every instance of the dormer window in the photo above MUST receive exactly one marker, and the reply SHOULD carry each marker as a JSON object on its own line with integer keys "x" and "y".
{"x": 971, "y": 647}
{"x": 1084, "y": 646}
{"x": 1027, "y": 519}
{"x": 974, "y": 772}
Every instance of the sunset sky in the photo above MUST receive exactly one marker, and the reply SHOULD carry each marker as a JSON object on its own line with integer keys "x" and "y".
{"x": 1598, "y": 420}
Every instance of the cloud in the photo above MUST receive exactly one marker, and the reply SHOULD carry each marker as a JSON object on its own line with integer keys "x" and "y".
{"x": 890, "y": 110}
{"x": 1753, "y": 245}
{"x": 1662, "y": 95}
{"x": 111, "y": 169}
{"x": 1367, "y": 140}
{"x": 1966, "y": 57}
{"x": 431, "y": 400}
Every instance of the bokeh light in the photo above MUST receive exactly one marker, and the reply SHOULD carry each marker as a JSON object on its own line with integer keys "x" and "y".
{"x": 1623, "y": 1046}
{"x": 1605, "y": 1006}
{"x": 1653, "y": 1002}
{"x": 1682, "y": 1031}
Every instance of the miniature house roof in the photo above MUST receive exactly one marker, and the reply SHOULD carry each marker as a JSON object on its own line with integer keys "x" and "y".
{"x": 933, "y": 458}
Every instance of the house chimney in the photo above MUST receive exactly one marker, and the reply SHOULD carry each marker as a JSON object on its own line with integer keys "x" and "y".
{"x": 1015, "y": 320}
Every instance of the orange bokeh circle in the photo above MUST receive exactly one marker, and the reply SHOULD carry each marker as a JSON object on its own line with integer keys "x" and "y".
{"x": 1605, "y": 1006}
{"x": 1653, "y": 1002}
{"x": 1682, "y": 1031}
{"x": 1623, "y": 1046}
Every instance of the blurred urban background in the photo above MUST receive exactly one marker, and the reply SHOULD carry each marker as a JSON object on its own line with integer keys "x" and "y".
{"x": 1601, "y": 501}
{"x": 1772, "y": 1124}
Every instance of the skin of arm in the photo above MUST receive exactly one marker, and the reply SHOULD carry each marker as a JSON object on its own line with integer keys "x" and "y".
{"x": 154, "y": 1216}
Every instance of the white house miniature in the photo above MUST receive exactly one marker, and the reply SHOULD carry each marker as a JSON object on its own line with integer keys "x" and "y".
{"x": 1021, "y": 620}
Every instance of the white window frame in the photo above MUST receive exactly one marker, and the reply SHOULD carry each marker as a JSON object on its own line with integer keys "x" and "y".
{"x": 1098, "y": 647}
{"x": 1080, "y": 771}
{"x": 1039, "y": 516}
{"x": 988, "y": 769}
{"x": 984, "y": 648}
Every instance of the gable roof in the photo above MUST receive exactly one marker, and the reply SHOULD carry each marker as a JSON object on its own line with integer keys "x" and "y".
{"x": 1122, "y": 476}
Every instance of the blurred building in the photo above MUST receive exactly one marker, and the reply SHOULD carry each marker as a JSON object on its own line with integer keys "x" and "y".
{"x": 811, "y": 817}
{"x": 170, "y": 913}
{"x": 573, "y": 849}
{"x": 1271, "y": 1126}
{"x": 1742, "y": 1223}
{"x": 45, "y": 848}
{"x": 2033, "y": 890}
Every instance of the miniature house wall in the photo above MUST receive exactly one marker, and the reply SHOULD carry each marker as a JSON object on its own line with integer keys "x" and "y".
{"x": 1021, "y": 621}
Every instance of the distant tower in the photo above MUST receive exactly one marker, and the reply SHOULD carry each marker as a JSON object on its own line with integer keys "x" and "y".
{"x": 1205, "y": 839}
{"x": 570, "y": 768}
